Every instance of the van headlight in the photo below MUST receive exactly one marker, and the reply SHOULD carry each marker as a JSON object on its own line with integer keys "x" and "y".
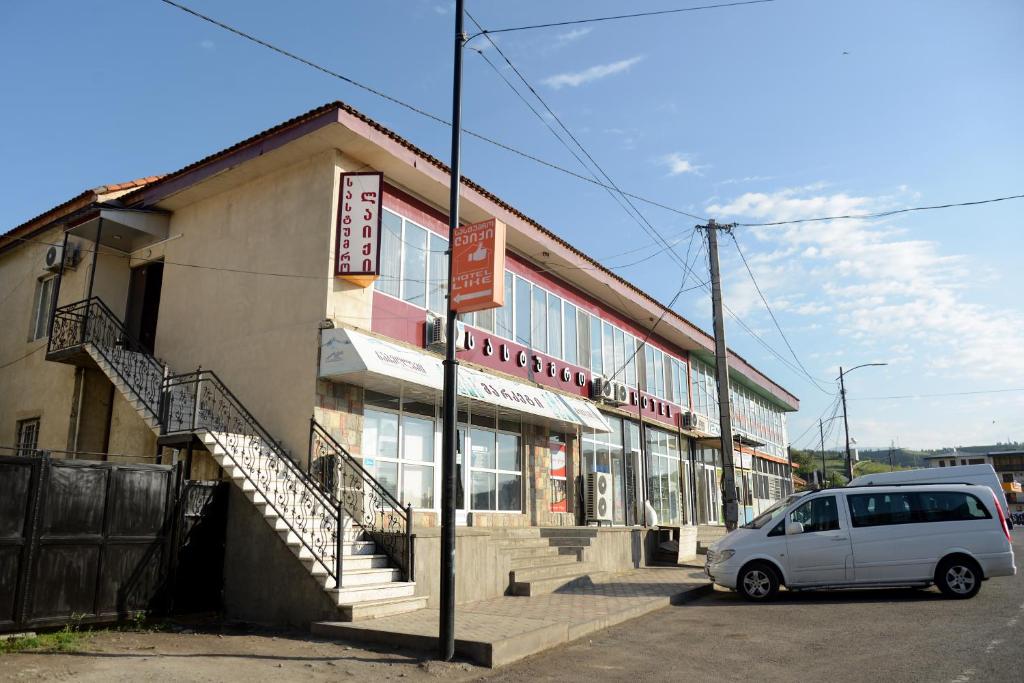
{"x": 724, "y": 555}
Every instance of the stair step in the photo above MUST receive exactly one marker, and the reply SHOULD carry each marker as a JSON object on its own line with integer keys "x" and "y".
{"x": 573, "y": 541}
{"x": 568, "y": 532}
{"x": 371, "y": 609}
{"x": 349, "y": 595}
{"x": 356, "y": 562}
{"x": 539, "y": 551}
{"x": 359, "y": 548}
{"x": 561, "y": 568}
{"x": 541, "y": 561}
{"x": 555, "y": 583}
{"x": 523, "y": 543}
{"x": 364, "y": 577}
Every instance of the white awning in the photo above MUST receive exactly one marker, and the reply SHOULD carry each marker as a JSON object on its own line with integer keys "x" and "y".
{"x": 358, "y": 358}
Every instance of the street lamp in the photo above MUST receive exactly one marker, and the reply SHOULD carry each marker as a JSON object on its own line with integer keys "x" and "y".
{"x": 846, "y": 424}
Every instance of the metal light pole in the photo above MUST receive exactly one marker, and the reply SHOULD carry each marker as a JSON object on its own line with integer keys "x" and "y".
{"x": 446, "y": 625}
{"x": 846, "y": 424}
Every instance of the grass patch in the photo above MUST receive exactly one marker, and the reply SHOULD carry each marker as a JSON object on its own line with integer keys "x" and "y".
{"x": 68, "y": 639}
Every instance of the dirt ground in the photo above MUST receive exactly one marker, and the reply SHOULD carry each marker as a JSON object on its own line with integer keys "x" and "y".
{"x": 223, "y": 655}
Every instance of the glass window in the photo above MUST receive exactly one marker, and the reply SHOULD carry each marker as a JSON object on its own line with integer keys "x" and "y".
{"x": 418, "y": 486}
{"x": 484, "y": 449}
{"x": 41, "y": 311}
{"x": 417, "y": 439}
{"x": 555, "y": 326}
{"x": 503, "y": 315}
{"x": 414, "y": 265}
{"x": 820, "y": 514}
{"x": 608, "y": 350}
{"x": 630, "y": 360}
{"x": 595, "y": 345}
{"x": 483, "y": 493}
{"x": 583, "y": 332}
{"x": 950, "y": 507}
{"x": 620, "y": 354}
{"x": 27, "y": 436}
{"x": 485, "y": 320}
{"x": 509, "y": 457}
{"x": 380, "y": 434}
{"x": 496, "y": 474}
{"x": 651, "y": 386}
{"x": 510, "y": 492}
{"x": 558, "y": 473}
{"x": 438, "y": 283}
{"x": 522, "y": 304}
{"x": 398, "y": 448}
{"x": 539, "y": 328}
{"x": 569, "y": 333}
{"x": 390, "y": 254}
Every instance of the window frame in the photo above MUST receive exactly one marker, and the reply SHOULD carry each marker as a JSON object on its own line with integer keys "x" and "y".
{"x": 20, "y": 427}
{"x": 41, "y": 308}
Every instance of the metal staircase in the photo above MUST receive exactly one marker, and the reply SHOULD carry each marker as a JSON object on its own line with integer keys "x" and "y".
{"x": 335, "y": 522}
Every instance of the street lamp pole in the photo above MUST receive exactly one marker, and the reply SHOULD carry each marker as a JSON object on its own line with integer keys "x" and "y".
{"x": 846, "y": 423}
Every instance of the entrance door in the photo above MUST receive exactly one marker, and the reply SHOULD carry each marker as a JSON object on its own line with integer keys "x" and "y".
{"x": 144, "y": 303}
{"x": 709, "y": 493}
{"x": 820, "y": 555}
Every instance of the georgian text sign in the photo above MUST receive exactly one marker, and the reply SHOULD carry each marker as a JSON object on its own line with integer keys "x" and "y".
{"x": 478, "y": 266}
{"x": 357, "y": 243}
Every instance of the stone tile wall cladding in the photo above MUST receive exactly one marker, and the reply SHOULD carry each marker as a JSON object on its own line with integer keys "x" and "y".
{"x": 339, "y": 409}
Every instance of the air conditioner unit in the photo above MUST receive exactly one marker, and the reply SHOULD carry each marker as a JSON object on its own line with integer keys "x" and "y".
{"x": 608, "y": 391}
{"x": 436, "y": 338}
{"x": 695, "y": 422}
{"x": 599, "y": 497}
{"x": 56, "y": 253}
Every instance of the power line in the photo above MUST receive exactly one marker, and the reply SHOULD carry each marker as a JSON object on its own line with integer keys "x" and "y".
{"x": 620, "y": 16}
{"x": 769, "y": 309}
{"x": 410, "y": 107}
{"x": 880, "y": 214}
{"x": 835, "y": 402}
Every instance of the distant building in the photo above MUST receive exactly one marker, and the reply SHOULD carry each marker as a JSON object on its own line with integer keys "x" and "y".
{"x": 954, "y": 458}
{"x": 1009, "y": 466}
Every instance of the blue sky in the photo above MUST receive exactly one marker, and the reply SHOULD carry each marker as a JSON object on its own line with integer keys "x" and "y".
{"x": 748, "y": 114}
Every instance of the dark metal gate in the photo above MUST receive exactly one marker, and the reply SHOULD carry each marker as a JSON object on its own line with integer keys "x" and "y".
{"x": 82, "y": 540}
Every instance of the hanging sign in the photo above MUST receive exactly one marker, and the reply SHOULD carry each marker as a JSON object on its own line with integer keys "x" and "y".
{"x": 478, "y": 266}
{"x": 357, "y": 243}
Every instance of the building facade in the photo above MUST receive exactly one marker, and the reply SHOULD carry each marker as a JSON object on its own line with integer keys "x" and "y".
{"x": 226, "y": 270}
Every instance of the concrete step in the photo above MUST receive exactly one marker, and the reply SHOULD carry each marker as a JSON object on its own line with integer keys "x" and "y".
{"x": 570, "y": 541}
{"x": 526, "y": 532}
{"x": 510, "y": 543}
{"x": 365, "y": 577}
{"x": 351, "y": 595}
{"x": 568, "y": 532}
{"x": 368, "y": 561}
{"x": 539, "y": 561}
{"x": 545, "y": 550}
{"x": 555, "y": 583}
{"x": 372, "y": 609}
{"x": 562, "y": 567}
{"x": 359, "y": 548}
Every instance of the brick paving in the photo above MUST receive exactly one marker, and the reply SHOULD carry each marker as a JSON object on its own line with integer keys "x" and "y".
{"x": 500, "y": 630}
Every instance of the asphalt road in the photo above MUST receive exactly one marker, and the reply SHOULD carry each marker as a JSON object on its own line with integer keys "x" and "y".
{"x": 868, "y": 635}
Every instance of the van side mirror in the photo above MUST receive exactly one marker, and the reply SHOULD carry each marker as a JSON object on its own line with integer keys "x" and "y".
{"x": 794, "y": 528}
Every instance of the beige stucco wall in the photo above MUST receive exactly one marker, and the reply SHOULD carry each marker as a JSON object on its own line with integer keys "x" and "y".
{"x": 258, "y": 332}
{"x": 29, "y": 385}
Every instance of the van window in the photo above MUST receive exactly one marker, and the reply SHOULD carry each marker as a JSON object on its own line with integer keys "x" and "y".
{"x": 819, "y": 514}
{"x": 882, "y": 509}
{"x": 951, "y": 506}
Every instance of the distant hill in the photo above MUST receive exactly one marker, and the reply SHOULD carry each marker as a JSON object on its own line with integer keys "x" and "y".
{"x": 810, "y": 460}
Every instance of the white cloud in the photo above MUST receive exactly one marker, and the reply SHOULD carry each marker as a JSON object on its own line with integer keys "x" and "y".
{"x": 678, "y": 164}
{"x": 594, "y": 73}
{"x": 572, "y": 35}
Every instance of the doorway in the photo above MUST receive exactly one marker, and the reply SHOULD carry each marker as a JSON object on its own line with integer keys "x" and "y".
{"x": 143, "y": 306}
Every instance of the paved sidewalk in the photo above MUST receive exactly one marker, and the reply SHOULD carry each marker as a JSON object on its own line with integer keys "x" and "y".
{"x": 502, "y": 630}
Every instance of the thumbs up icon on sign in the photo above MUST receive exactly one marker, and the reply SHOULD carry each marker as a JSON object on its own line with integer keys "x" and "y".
{"x": 479, "y": 255}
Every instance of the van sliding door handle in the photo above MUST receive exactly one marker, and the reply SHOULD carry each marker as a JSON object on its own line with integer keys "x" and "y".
{"x": 839, "y": 538}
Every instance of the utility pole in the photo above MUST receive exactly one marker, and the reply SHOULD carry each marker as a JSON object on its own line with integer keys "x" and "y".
{"x": 446, "y": 625}
{"x": 846, "y": 426}
{"x": 722, "y": 370}
{"x": 821, "y": 430}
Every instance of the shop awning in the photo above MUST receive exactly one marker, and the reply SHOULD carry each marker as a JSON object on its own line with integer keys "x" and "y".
{"x": 364, "y": 360}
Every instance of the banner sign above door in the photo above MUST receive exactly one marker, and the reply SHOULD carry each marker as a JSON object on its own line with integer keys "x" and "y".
{"x": 357, "y": 242}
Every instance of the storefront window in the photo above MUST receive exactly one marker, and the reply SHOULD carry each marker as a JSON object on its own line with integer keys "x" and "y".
{"x": 603, "y": 452}
{"x": 539, "y": 328}
{"x": 557, "y": 475}
{"x": 664, "y": 475}
{"x": 569, "y": 333}
{"x": 522, "y": 305}
{"x": 495, "y": 465}
{"x": 398, "y": 449}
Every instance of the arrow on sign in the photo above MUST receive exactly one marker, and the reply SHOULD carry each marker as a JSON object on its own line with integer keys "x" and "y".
{"x": 459, "y": 298}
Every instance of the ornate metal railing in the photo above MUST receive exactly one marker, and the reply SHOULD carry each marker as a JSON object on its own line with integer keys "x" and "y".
{"x": 200, "y": 401}
{"x": 366, "y": 501}
{"x": 91, "y": 322}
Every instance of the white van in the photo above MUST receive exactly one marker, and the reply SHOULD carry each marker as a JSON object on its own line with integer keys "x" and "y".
{"x": 983, "y": 475}
{"x": 953, "y": 535}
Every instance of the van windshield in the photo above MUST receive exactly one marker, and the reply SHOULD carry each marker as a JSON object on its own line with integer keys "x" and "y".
{"x": 772, "y": 513}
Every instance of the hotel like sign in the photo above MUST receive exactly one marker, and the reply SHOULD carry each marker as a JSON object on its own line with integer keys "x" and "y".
{"x": 478, "y": 266}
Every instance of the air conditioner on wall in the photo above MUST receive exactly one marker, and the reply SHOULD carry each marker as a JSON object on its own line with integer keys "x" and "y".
{"x": 599, "y": 497}
{"x": 608, "y": 391}
{"x": 695, "y": 422}
{"x": 436, "y": 337}
{"x": 56, "y": 253}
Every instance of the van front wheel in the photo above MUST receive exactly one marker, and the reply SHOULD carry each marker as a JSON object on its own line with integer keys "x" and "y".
{"x": 958, "y": 578}
{"x": 758, "y": 582}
